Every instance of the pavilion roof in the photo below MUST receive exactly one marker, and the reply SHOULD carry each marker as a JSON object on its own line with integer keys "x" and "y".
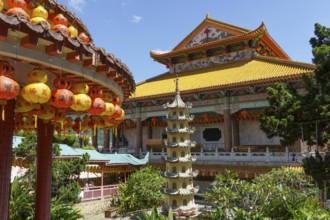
{"x": 35, "y": 36}
{"x": 110, "y": 159}
{"x": 257, "y": 70}
{"x": 232, "y": 35}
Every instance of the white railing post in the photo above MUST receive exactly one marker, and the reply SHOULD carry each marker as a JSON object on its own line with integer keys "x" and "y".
{"x": 287, "y": 154}
{"x": 162, "y": 153}
{"x": 267, "y": 154}
{"x": 249, "y": 153}
{"x": 232, "y": 154}
{"x": 216, "y": 153}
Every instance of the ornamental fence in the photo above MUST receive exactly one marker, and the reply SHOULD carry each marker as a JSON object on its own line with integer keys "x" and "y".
{"x": 98, "y": 192}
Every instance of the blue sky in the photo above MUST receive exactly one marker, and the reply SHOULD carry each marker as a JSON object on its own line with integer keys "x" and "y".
{"x": 131, "y": 28}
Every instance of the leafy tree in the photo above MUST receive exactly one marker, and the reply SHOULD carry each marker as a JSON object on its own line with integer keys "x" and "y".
{"x": 269, "y": 196}
{"x": 292, "y": 115}
{"x": 65, "y": 187}
{"x": 142, "y": 190}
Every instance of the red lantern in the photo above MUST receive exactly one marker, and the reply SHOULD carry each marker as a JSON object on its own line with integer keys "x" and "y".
{"x": 154, "y": 120}
{"x": 17, "y": 4}
{"x": 117, "y": 112}
{"x": 98, "y": 106}
{"x": 258, "y": 48}
{"x": 96, "y": 93}
{"x": 84, "y": 38}
{"x": 244, "y": 113}
{"x": 62, "y": 83}
{"x": 19, "y": 12}
{"x": 6, "y": 69}
{"x": 115, "y": 100}
{"x": 60, "y": 19}
{"x": 62, "y": 97}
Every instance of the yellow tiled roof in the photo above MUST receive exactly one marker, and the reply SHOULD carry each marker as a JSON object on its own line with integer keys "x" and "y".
{"x": 258, "y": 70}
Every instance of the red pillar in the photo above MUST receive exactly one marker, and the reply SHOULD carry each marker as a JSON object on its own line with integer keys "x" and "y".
{"x": 6, "y": 142}
{"x": 44, "y": 170}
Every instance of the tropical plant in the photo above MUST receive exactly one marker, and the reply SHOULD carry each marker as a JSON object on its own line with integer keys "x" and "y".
{"x": 142, "y": 190}
{"x": 63, "y": 211}
{"x": 21, "y": 201}
{"x": 273, "y": 195}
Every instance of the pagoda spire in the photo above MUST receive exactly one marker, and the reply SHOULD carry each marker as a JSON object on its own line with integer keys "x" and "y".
{"x": 177, "y": 90}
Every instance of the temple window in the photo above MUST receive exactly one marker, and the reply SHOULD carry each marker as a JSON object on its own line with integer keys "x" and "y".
{"x": 173, "y": 169}
{"x": 184, "y": 185}
{"x": 174, "y": 139}
{"x": 174, "y": 126}
{"x": 174, "y": 154}
{"x": 183, "y": 169}
{"x": 182, "y": 153}
{"x": 174, "y": 113}
{"x": 173, "y": 185}
{"x": 184, "y": 202}
{"x": 174, "y": 203}
{"x": 181, "y": 125}
{"x": 182, "y": 139}
{"x": 181, "y": 113}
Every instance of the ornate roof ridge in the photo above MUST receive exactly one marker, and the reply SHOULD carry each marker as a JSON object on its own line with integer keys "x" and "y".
{"x": 284, "y": 61}
{"x": 209, "y": 19}
{"x": 274, "y": 42}
{"x": 234, "y": 38}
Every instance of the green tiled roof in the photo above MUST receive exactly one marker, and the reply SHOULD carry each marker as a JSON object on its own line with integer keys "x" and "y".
{"x": 94, "y": 155}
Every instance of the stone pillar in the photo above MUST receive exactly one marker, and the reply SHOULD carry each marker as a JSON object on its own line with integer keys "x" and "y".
{"x": 227, "y": 124}
{"x": 6, "y": 142}
{"x": 150, "y": 131}
{"x": 44, "y": 170}
{"x": 106, "y": 144}
{"x": 138, "y": 136}
{"x": 236, "y": 133}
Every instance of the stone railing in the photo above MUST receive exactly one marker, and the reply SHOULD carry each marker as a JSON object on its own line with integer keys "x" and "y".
{"x": 239, "y": 158}
{"x": 98, "y": 192}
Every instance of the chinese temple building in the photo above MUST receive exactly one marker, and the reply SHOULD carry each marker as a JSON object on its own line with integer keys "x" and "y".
{"x": 52, "y": 78}
{"x": 224, "y": 71}
{"x": 179, "y": 190}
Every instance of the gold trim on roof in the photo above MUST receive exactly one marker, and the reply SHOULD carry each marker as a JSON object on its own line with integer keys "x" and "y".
{"x": 258, "y": 70}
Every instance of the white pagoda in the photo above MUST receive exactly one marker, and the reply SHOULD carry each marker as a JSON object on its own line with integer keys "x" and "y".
{"x": 179, "y": 191}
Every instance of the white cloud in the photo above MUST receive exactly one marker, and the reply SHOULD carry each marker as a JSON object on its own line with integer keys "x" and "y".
{"x": 136, "y": 19}
{"x": 77, "y": 5}
{"x": 159, "y": 51}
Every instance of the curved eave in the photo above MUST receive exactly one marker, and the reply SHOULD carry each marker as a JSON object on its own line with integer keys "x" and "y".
{"x": 229, "y": 40}
{"x": 271, "y": 44}
{"x": 257, "y": 82}
{"x": 121, "y": 75}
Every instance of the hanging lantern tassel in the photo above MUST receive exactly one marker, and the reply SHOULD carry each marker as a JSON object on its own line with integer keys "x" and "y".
{"x": 79, "y": 126}
{"x": 35, "y": 121}
{"x": 94, "y": 129}
{"x": 3, "y": 113}
{"x": 3, "y": 102}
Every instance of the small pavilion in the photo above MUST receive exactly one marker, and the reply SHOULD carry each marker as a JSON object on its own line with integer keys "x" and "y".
{"x": 50, "y": 71}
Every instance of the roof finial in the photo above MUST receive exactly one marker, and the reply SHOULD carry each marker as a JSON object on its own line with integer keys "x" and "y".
{"x": 208, "y": 15}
